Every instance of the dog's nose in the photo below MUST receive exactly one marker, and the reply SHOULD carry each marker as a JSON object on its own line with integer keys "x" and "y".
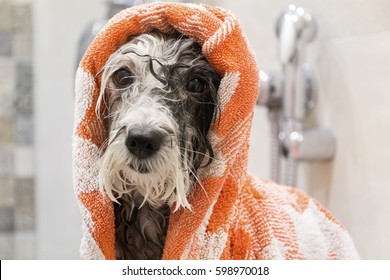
{"x": 143, "y": 143}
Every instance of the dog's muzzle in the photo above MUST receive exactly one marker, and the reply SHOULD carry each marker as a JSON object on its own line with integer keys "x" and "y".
{"x": 143, "y": 142}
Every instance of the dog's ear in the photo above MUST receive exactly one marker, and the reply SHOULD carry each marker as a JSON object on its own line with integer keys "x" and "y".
{"x": 129, "y": 39}
{"x": 216, "y": 82}
{"x": 197, "y": 48}
{"x": 207, "y": 117}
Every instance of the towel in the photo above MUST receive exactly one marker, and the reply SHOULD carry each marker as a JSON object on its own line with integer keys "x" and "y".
{"x": 234, "y": 215}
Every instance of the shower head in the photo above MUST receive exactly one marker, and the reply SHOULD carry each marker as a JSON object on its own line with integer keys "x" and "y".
{"x": 295, "y": 26}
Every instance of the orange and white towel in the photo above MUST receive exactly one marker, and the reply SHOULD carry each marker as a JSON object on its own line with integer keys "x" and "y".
{"x": 234, "y": 216}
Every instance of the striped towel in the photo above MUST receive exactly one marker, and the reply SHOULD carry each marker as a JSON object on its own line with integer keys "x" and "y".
{"x": 235, "y": 216}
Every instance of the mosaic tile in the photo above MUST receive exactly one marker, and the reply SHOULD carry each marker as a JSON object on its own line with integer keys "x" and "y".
{"x": 24, "y": 204}
{"x": 17, "y": 213}
{"x": 5, "y": 43}
{"x": 7, "y": 105}
{"x": 22, "y": 45}
{"x": 7, "y": 86}
{"x": 7, "y": 219}
{"x": 24, "y": 77}
{"x": 5, "y": 16}
{"x": 24, "y": 97}
{"x": 24, "y": 131}
{"x": 24, "y": 162}
{"x": 6, "y": 162}
{"x": 7, "y": 75}
{"x": 7, "y": 132}
{"x": 7, "y": 246}
{"x": 7, "y": 189}
{"x": 24, "y": 245}
{"x": 21, "y": 19}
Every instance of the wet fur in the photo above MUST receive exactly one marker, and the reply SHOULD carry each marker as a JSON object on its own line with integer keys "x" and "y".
{"x": 162, "y": 67}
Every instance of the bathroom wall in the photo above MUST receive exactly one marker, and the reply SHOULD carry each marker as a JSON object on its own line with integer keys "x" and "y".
{"x": 17, "y": 188}
{"x": 351, "y": 59}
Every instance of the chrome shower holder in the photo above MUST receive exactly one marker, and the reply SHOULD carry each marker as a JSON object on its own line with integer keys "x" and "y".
{"x": 290, "y": 95}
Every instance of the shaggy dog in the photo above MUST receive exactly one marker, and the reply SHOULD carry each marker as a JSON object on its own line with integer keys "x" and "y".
{"x": 160, "y": 97}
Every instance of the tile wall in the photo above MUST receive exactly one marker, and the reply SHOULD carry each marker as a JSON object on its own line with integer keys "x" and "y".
{"x": 17, "y": 215}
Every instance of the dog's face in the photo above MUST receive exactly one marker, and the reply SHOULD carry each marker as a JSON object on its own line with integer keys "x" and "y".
{"x": 160, "y": 98}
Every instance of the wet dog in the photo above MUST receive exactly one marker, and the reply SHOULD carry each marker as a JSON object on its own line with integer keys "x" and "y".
{"x": 159, "y": 98}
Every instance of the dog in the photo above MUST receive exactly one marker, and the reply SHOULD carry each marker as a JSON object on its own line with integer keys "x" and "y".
{"x": 159, "y": 98}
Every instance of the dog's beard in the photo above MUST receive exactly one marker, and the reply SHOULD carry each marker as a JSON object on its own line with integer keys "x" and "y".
{"x": 164, "y": 178}
{"x": 158, "y": 98}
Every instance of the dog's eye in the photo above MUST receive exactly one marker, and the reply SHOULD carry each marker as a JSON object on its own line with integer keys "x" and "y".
{"x": 123, "y": 77}
{"x": 196, "y": 85}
